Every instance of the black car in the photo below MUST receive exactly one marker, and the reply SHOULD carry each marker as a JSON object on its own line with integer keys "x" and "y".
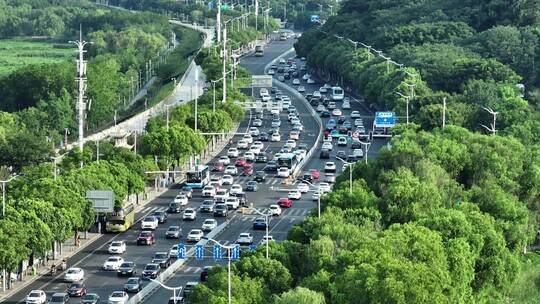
{"x": 355, "y": 144}
{"x": 325, "y": 114}
{"x": 259, "y": 224}
{"x": 280, "y": 69}
{"x": 271, "y": 166}
{"x": 242, "y": 198}
{"x": 59, "y": 298}
{"x": 309, "y": 96}
{"x": 151, "y": 271}
{"x": 90, "y": 298}
{"x": 264, "y": 136}
{"x": 174, "y": 208}
{"x": 252, "y": 186}
{"x": 341, "y": 120}
{"x": 314, "y": 102}
{"x": 126, "y": 269}
{"x": 341, "y": 154}
{"x": 325, "y": 154}
{"x": 352, "y": 158}
{"x": 287, "y": 76}
{"x": 207, "y": 206}
{"x": 294, "y": 74}
{"x": 261, "y": 157}
{"x": 220, "y": 210}
{"x": 273, "y": 90}
{"x": 162, "y": 258}
{"x": 174, "y": 232}
{"x": 133, "y": 284}
{"x": 161, "y": 216}
{"x": 306, "y": 177}
{"x": 204, "y": 273}
{"x": 259, "y": 176}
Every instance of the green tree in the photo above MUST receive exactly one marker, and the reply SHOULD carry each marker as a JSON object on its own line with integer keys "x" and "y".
{"x": 300, "y": 295}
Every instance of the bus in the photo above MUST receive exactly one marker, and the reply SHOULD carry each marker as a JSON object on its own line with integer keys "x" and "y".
{"x": 259, "y": 51}
{"x": 337, "y": 93}
{"x": 198, "y": 177}
{"x": 121, "y": 219}
{"x": 289, "y": 160}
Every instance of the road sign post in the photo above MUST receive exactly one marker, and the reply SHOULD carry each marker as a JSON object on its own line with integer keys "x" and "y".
{"x": 385, "y": 119}
{"x": 217, "y": 252}
{"x": 235, "y": 252}
{"x": 253, "y": 247}
{"x": 199, "y": 252}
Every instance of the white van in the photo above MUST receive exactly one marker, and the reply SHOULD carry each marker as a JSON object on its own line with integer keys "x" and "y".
{"x": 337, "y": 93}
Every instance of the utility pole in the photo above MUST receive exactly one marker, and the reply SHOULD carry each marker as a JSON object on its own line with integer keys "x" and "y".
{"x": 218, "y": 21}
{"x": 444, "y": 112}
{"x": 256, "y": 14}
{"x": 196, "y": 96}
{"x": 407, "y": 101}
{"x": 493, "y": 130}
{"x": 81, "y": 79}
{"x": 224, "y": 55}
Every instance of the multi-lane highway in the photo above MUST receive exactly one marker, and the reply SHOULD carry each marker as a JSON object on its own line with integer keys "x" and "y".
{"x": 92, "y": 257}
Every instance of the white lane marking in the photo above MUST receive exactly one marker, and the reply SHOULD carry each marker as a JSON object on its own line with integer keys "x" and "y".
{"x": 197, "y": 269}
{"x": 188, "y": 269}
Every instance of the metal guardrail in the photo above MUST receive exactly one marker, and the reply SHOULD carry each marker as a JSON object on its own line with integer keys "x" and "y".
{"x": 310, "y": 108}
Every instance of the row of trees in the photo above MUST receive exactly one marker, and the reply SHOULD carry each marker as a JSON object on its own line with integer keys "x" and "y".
{"x": 440, "y": 217}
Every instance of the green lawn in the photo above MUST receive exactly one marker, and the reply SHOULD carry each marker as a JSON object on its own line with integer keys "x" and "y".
{"x": 18, "y": 52}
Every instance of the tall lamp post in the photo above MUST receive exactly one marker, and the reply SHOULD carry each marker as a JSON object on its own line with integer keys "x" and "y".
{"x": 493, "y": 130}
{"x": 174, "y": 289}
{"x": 350, "y": 165}
{"x": 266, "y": 215}
{"x": 229, "y": 257}
{"x": 407, "y": 98}
{"x": 318, "y": 187}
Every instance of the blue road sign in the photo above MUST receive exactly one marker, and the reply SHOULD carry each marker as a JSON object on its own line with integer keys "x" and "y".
{"x": 211, "y": 5}
{"x": 235, "y": 254}
{"x": 181, "y": 251}
{"x": 385, "y": 119}
{"x": 315, "y": 18}
{"x": 217, "y": 252}
{"x": 199, "y": 252}
{"x": 252, "y": 247}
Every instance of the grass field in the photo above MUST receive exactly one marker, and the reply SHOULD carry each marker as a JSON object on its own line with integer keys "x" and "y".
{"x": 18, "y": 52}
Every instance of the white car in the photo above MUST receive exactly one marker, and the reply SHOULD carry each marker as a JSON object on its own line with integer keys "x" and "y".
{"x": 358, "y": 122}
{"x": 283, "y": 172}
{"x": 266, "y": 239}
{"x": 173, "y": 252}
{"x": 342, "y": 141}
{"x": 36, "y": 297}
{"x": 291, "y": 116}
{"x": 291, "y": 142}
{"x": 355, "y": 114}
{"x": 274, "y": 111}
{"x": 189, "y": 214}
{"x": 250, "y": 156}
{"x": 117, "y": 247}
{"x": 301, "y": 89}
{"x": 316, "y": 94}
{"x": 181, "y": 199}
{"x": 275, "y": 210}
{"x": 231, "y": 170}
{"x": 257, "y": 144}
{"x": 254, "y": 131}
{"x": 150, "y": 222}
{"x": 337, "y": 112}
{"x": 306, "y": 76}
{"x": 303, "y": 187}
{"x": 275, "y": 137}
{"x": 271, "y": 72}
{"x": 358, "y": 152}
{"x": 295, "y": 121}
{"x": 323, "y": 89}
{"x": 263, "y": 91}
{"x": 294, "y": 195}
{"x": 232, "y": 152}
{"x": 327, "y": 146}
{"x": 310, "y": 81}
{"x": 315, "y": 196}
{"x": 329, "y": 167}
{"x": 224, "y": 159}
{"x": 221, "y": 195}
{"x": 266, "y": 97}
{"x": 227, "y": 179}
{"x": 244, "y": 238}
{"x": 74, "y": 274}
{"x": 113, "y": 263}
{"x": 296, "y": 81}
{"x": 232, "y": 202}
{"x": 295, "y": 135}
{"x": 257, "y": 123}
{"x": 242, "y": 144}
{"x": 209, "y": 191}
{"x": 320, "y": 108}
{"x": 248, "y": 138}
{"x": 300, "y": 154}
{"x": 209, "y": 225}
{"x": 236, "y": 188}
{"x": 195, "y": 235}
{"x": 325, "y": 187}
{"x": 118, "y": 297}
{"x": 298, "y": 126}
{"x": 346, "y": 105}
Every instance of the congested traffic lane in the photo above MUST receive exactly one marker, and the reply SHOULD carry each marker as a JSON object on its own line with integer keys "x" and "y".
{"x": 266, "y": 195}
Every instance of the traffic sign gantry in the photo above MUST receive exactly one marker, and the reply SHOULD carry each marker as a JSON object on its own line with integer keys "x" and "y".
{"x": 385, "y": 119}
{"x": 181, "y": 251}
{"x": 235, "y": 253}
{"x": 199, "y": 252}
{"x": 217, "y": 252}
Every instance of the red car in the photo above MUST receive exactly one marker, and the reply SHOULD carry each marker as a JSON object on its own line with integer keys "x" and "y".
{"x": 241, "y": 162}
{"x": 285, "y": 202}
{"x": 218, "y": 167}
{"x": 146, "y": 238}
{"x": 315, "y": 174}
{"x": 248, "y": 169}
{"x": 76, "y": 290}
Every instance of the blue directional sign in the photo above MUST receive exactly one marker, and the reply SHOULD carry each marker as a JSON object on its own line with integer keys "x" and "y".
{"x": 217, "y": 252}
{"x": 181, "y": 251}
{"x": 235, "y": 253}
{"x": 315, "y": 18}
{"x": 211, "y": 5}
{"x": 199, "y": 252}
{"x": 252, "y": 247}
{"x": 385, "y": 119}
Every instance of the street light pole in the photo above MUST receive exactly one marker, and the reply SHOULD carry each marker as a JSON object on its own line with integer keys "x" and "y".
{"x": 266, "y": 215}
{"x": 174, "y": 289}
{"x": 407, "y": 101}
{"x": 4, "y": 182}
{"x": 493, "y": 129}
{"x": 229, "y": 257}
{"x": 444, "y": 113}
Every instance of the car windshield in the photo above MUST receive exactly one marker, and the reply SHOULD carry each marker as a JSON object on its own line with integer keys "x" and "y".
{"x": 151, "y": 267}
{"x": 90, "y": 297}
{"x": 114, "y": 259}
{"x": 57, "y": 299}
{"x": 73, "y": 271}
{"x": 160, "y": 256}
{"x": 133, "y": 281}
{"x": 116, "y": 244}
{"x": 76, "y": 285}
{"x": 117, "y": 294}
{"x": 209, "y": 221}
{"x": 145, "y": 234}
{"x": 127, "y": 264}
{"x": 34, "y": 295}
{"x": 149, "y": 219}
